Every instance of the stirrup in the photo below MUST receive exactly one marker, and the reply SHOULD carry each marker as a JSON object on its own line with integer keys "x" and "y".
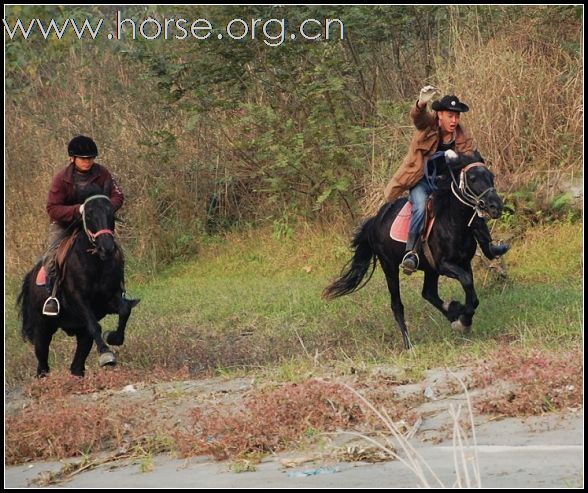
{"x": 409, "y": 270}
{"x": 48, "y": 313}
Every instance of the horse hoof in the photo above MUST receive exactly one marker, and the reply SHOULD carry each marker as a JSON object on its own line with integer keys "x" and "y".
{"x": 461, "y": 328}
{"x": 107, "y": 359}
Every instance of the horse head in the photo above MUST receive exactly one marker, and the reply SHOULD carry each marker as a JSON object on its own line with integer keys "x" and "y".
{"x": 474, "y": 186}
{"x": 98, "y": 223}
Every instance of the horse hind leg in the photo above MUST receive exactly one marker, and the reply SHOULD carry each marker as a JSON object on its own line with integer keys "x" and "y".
{"x": 396, "y": 304}
{"x": 42, "y": 342}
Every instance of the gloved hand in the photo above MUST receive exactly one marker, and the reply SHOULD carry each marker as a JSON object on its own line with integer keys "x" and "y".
{"x": 426, "y": 95}
{"x": 82, "y": 209}
{"x": 450, "y": 155}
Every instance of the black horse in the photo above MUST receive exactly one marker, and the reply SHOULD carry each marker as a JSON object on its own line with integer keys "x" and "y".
{"x": 92, "y": 286}
{"x": 468, "y": 192}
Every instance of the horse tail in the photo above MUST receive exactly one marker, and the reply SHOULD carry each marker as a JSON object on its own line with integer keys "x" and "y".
{"x": 357, "y": 268}
{"x": 23, "y": 302}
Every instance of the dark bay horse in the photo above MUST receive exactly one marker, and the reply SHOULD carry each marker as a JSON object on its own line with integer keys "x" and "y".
{"x": 91, "y": 287}
{"x": 469, "y": 192}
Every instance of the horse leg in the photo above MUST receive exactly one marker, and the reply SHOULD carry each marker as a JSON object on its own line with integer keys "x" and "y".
{"x": 78, "y": 365}
{"x": 396, "y": 303}
{"x": 117, "y": 338}
{"x": 451, "y": 310}
{"x": 42, "y": 341}
{"x": 466, "y": 279}
{"x": 94, "y": 329}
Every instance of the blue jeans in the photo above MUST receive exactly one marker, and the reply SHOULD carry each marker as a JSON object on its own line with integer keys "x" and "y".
{"x": 418, "y": 198}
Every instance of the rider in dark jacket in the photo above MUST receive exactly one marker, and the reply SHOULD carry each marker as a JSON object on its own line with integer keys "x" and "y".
{"x": 65, "y": 203}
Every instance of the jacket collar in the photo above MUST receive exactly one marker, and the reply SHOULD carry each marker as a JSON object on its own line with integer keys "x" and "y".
{"x": 69, "y": 171}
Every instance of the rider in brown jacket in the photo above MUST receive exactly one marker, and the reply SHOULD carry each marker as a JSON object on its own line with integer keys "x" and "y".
{"x": 425, "y": 161}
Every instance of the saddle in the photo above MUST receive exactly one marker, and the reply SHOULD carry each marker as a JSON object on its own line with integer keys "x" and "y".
{"x": 60, "y": 256}
{"x": 400, "y": 227}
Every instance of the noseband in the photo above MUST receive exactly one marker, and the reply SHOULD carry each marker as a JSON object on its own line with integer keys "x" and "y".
{"x": 466, "y": 195}
{"x": 92, "y": 236}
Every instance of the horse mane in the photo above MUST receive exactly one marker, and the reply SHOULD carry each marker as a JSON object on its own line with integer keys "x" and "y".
{"x": 441, "y": 199}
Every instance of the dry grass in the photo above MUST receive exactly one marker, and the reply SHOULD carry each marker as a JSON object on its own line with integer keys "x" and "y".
{"x": 526, "y": 109}
{"x": 65, "y": 416}
{"x": 530, "y": 382}
{"x": 524, "y": 87}
{"x": 59, "y": 429}
{"x": 71, "y": 417}
{"x": 526, "y": 95}
{"x": 467, "y": 467}
{"x": 273, "y": 420}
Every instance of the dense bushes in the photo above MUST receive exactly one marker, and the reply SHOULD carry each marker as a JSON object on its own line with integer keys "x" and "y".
{"x": 206, "y": 136}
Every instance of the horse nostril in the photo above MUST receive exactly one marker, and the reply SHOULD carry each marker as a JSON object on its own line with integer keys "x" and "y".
{"x": 495, "y": 211}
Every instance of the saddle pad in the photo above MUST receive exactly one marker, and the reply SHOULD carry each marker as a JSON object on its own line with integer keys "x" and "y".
{"x": 399, "y": 229}
{"x": 41, "y": 277}
{"x": 401, "y": 225}
{"x": 60, "y": 257}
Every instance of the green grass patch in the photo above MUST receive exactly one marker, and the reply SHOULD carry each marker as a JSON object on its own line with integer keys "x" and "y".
{"x": 252, "y": 302}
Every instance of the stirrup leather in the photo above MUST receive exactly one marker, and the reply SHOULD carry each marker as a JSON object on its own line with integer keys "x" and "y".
{"x": 51, "y": 314}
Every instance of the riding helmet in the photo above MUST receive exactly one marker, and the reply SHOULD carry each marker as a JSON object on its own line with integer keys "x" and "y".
{"x": 82, "y": 146}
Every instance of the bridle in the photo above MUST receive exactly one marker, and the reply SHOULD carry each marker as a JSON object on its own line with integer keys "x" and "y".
{"x": 92, "y": 236}
{"x": 466, "y": 195}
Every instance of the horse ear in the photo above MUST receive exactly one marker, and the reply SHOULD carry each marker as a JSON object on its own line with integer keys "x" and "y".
{"x": 478, "y": 157}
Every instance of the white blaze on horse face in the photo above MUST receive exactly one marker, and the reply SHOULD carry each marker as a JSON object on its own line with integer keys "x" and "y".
{"x": 451, "y": 155}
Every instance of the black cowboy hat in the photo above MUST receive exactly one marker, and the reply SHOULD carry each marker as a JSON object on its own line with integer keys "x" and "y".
{"x": 450, "y": 103}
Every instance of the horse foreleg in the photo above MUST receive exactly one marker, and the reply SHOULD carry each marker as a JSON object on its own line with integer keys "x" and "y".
{"x": 466, "y": 279}
{"x": 451, "y": 310}
{"x": 94, "y": 329}
{"x": 396, "y": 304}
{"x": 124, "y": 307}
{"x": 78, "y": 365}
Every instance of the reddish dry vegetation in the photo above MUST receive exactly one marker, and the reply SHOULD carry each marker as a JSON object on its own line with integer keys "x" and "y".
{"x": 62, "y": 420}
{"x": 63, "y": 384}
{"x": 66, "y": 416}
{"x": 532, "y": 383}
{"x": 273, "y": 419}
